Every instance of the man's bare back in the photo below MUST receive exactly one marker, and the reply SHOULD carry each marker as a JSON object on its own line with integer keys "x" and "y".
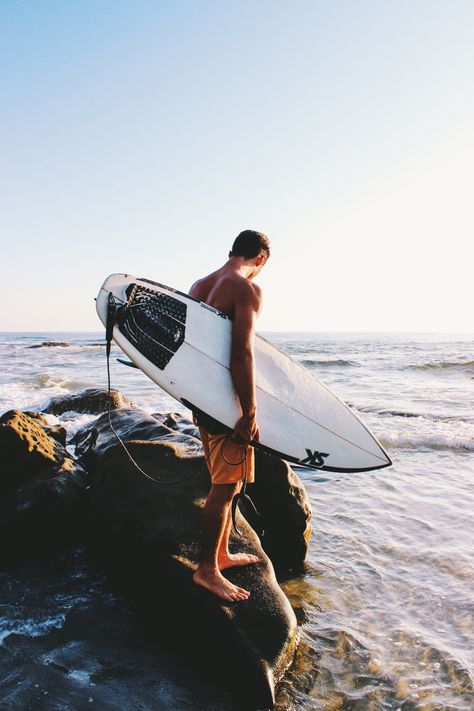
{"x": 223, "y": 289}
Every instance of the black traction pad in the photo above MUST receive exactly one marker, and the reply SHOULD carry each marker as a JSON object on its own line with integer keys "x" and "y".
{"x": 153, "y": 322}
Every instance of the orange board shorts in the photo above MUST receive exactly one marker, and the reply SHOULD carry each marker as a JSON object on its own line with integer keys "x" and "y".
{"x": 227, "y": 462}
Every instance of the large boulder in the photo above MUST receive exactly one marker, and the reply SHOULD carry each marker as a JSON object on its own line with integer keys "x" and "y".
{"x": 92, "y": 401}
{"x": 42, "y": 490}
{"x": 285, "y": 510}
{"x": 146, "y": 535}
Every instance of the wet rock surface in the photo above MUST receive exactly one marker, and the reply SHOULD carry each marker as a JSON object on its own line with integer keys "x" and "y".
{"x": 92, "y": 400}
{"x": 85, "y": 648}
{"x": 148, "y": 541}
{"x": 146, "y": 537}
{"x": 42, "y": 491}
{"x": 93, "y": 440}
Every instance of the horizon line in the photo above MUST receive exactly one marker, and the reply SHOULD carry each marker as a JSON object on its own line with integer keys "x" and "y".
{"x": 101, "y": 331}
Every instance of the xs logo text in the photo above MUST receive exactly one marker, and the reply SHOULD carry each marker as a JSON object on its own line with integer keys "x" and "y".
{"x": 314, "y": 459}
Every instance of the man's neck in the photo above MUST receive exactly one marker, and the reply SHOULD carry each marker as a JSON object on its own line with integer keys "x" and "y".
{"x": 239, "y": 265}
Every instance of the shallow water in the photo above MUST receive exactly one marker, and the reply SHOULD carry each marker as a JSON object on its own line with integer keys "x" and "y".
{"x": 388, "y": 593}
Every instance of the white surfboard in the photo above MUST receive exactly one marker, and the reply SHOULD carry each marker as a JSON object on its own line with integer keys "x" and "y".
{"x": 184, "y": 346}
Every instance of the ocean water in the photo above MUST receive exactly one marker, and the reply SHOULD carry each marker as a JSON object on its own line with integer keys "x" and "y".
{"x": 388, "y": 592}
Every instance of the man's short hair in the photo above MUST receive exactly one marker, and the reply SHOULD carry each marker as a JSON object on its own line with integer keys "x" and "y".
{"x": 249, "y": 244}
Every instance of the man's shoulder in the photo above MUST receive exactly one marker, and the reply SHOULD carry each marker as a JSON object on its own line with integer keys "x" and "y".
{"x": 201, "y": 285}
{"x": 249, "y": 293}
{"x": 257, "y": 290}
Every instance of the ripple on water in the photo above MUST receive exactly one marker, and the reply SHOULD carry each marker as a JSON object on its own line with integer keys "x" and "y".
{"x": 334, "y": 670}
{"x": 388, "y": 594}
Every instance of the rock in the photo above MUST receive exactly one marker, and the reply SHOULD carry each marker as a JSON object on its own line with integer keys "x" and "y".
{"x": 100, "y": 658}
{"x": 42, "y": 491}
{"x": 92, "y": 400}
{"x": 26, "y": 448}
{"x": 95, "y": 438}
{"x": 147, "y": 538}
{"x": 175, "y": 421}
{"x": 50, "y": 344}
{"x": 36, "y": 416}
{"x": 283, "y": 503}
{"x": 57, "y": 432}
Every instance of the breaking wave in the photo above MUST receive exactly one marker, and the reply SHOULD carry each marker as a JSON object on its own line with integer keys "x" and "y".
{"x": 335, "y": 363}
{"x": 434, "y": 417}
{"x": 446, "y": 366}
{"x": 46, "y": 380}
{"x": 460, "y": 439}
{"x": 30, "y": 627}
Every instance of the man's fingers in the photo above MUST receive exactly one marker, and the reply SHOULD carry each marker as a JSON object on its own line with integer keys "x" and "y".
{"x": 243, "y": 435}
{"x": 238, "y": 438}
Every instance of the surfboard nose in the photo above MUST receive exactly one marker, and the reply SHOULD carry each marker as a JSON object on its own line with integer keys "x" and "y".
{"x": 382, "y": 459}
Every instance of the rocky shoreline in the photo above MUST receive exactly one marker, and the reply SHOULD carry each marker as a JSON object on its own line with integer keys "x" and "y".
{"x": 143, "y": 537}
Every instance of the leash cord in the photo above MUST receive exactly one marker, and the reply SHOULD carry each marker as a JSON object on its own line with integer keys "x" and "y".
{"x": 124, "y": 447}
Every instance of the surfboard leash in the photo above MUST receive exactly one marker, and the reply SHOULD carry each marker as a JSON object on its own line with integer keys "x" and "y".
{"x": 243, "y": 498}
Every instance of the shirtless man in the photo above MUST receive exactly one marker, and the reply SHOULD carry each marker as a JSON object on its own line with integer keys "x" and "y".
{"x": 231, "y": 290}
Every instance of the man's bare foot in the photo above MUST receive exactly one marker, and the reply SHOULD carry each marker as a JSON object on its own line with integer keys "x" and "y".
{"x": 231, "y": 560}
{"x": 220, "y": 586}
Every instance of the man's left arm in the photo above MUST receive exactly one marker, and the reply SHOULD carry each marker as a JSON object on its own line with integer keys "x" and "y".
{"x": 242, "y": 363}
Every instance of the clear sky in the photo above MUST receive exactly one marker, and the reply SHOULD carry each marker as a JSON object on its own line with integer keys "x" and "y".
{"x": 143, "y": 136}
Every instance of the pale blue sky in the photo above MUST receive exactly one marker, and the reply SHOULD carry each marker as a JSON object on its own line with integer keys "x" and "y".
{"x": 143, "y": 136}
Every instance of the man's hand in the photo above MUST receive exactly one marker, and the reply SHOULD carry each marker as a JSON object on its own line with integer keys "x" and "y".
{"x": 245, "y": 430}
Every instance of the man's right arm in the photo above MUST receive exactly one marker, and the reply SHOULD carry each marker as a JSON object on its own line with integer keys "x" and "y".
{"x": 242, "y": 362}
